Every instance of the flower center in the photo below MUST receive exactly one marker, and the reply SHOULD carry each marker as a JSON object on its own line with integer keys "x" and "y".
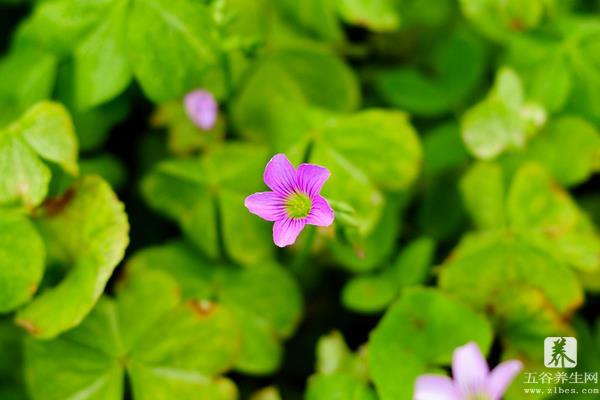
{"x": 298, "y": 205}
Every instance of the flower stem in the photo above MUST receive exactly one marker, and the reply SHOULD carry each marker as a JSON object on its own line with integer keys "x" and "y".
{"x": 227, "y": 78}
{"x": 304, "y": 254}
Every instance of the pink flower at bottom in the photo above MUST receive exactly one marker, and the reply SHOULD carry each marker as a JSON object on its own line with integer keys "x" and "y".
{"x": 473, "y": 379}
{"x": 294, "y": 200}
{"x": 202, "y": 108}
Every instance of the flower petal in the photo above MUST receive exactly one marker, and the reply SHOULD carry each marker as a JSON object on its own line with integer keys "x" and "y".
{"x": 285, "y": 231}
{"x": 321, "y": 213}
{"x": 501, "y": 377}
{"x": 469, "y": 369}
{"x": 267, "y": 205}
{"x": 280, "y": 175}
{"x": 202, "y": 108}
{"x": 435, "y": 387}
{"x": 310, "y": 178}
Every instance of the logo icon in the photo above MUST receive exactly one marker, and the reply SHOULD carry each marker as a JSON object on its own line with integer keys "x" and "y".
{"x": 560, "y": 352}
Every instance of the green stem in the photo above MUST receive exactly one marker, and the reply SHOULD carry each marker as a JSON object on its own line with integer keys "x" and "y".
{"x": 227, "y": 78}
{"x": 304, "y": 254}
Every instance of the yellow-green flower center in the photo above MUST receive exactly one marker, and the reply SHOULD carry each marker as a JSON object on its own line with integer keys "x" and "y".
{"x": 298, "y": 205}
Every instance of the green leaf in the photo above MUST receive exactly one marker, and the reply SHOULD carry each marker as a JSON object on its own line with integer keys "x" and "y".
{"x": 338, "y": 387}
{"x": 499, "y": 19}
{"x": 22, "y": 257}
{"x": 25, "y": 177}
{"x": 45, "y": 132}
{"x": 350, "y": 184}
{"x": 86, "y": 230}
{"x": 48, "y": 129}
{"x": 443, "y": 149}
{"x": 502, "y": 120}
{"x": 333, "y": 355}
{"x": 210, "y": 188}
{"x": 562, "y": 136}
{"x": 267, "y": 291}
{"x": 458, "y": 65}
{"x": 411, "y": 267}
{"x": 440, "y": 213}
{"x": 549, "y": 218}
{"x": 318, "y": 17}
{"x": 367, "y": 152}
{"x": 169, "y": 55}
{"x": 367, "y": 253}
{"x": 273, "y": 104}
{"x": 383, "y": 144}
{"x": 166, "y": 348}
{"x": 559, "y": 70}
{"x": 102, "y": 69}
{"x": 93, "y": 125}
{"x": 509, "y": 260}
{"x": 340, "y": 373}
{"x": 372, "y": 293}
{"x": 28, "y": 76}
{"x": 369, "y": 293}
{"x": 262, "y": 298}
{"x": 436, "y": 324}
{"x": 484, "y": 194}
{"x": 379, "y": 15}
{"x": 60, "y": 25}
{"x": 528, "y": 293}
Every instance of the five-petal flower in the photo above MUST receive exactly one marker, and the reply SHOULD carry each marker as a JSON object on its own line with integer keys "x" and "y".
{"x": 202, "y": 108}
{"x": 473, "y": 379}
{"x": 294, "y": 200}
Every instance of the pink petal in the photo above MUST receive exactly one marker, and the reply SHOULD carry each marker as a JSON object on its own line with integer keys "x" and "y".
{"x": 285, "y": 231}
{"x": 435, "y": 387}
{"x": 321, "y": 213}
{"x": 202, "y": 108}
{"x": 310, "y": 178}
{"x": 280, "y": 175}
{"x": 469, "y": 368}
{"x": 501, "y": 377}
{"x": 267, "y": 205}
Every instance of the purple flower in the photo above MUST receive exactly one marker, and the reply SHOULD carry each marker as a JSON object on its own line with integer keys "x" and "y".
{"x": 202, "y": 108}
{"x": 472, "y": 378}
{"x": 294, "y": 200}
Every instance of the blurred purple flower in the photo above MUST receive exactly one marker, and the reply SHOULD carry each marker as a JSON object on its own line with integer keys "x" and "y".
{"x": 202, "y": 108}
{"x": 472, "y": 378}
{"x": 294, "y": 200}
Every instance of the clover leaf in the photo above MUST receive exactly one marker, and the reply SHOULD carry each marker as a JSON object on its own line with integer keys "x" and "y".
{"x": 174, "y": 348}
{"x": 86, "y": 232}
{"x": 28, "y": 76}
{"x": 436, "y": 323}
{"x": 499, "y": 19}
{"x": 560, "y": 70}
{"x": 520, "y": 282}
{"x": 44, "y": 133}
{"x": 111, "y": 42}
{"x": 369, "y": 293}
{"x": 21, "y": 261}
{"x": 503, "y": 120}
{"x": 210, "y": 202}
{"x": 262, "y": 298}
{"x": 458, "y": 64}
{"x": 339, "y": 371}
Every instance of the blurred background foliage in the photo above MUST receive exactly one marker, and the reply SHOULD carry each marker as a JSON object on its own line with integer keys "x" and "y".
{"x": 463, "y": 141}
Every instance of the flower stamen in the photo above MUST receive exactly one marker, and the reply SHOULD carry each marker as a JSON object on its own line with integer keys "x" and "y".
{"x": 298, "y": 205}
